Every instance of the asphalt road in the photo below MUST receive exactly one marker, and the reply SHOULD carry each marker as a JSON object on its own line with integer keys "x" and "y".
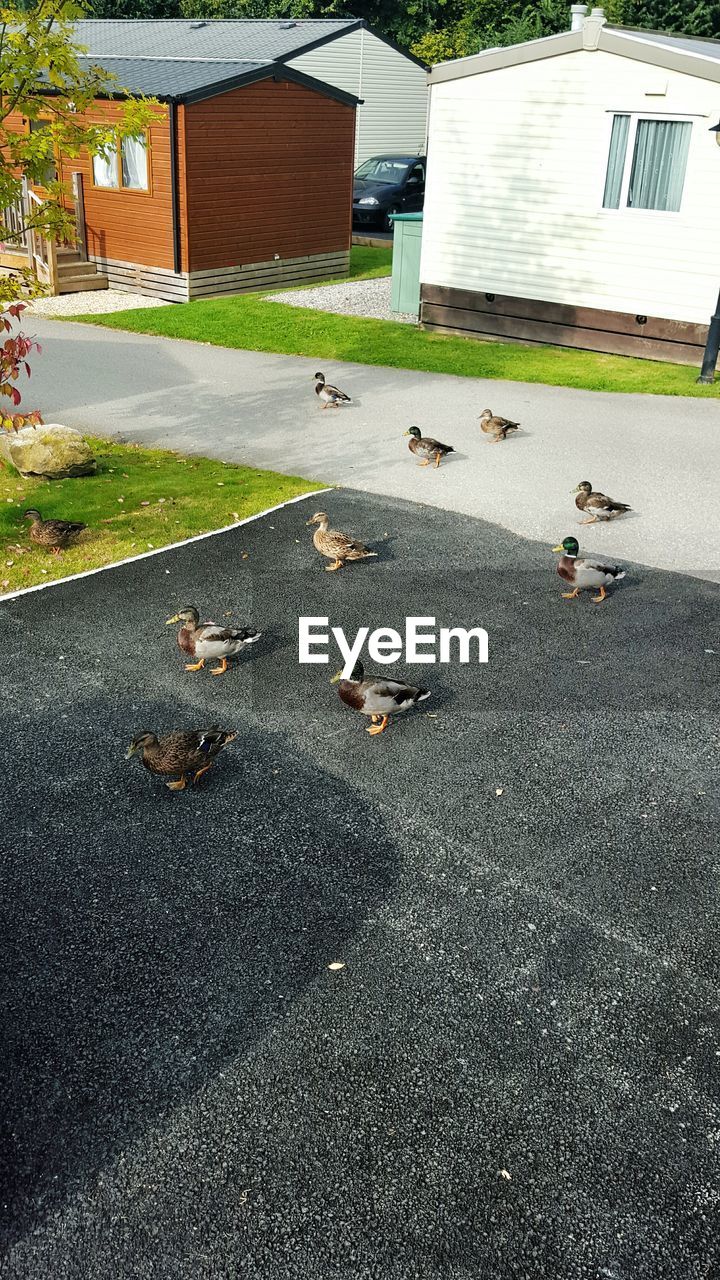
{"x": 516, "y": 1072}
{"x": 660, "y": 454}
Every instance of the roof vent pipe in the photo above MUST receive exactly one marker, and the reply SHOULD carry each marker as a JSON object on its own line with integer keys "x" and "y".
{"x": 577, "y": 13}
{"x": 598, "y": 15}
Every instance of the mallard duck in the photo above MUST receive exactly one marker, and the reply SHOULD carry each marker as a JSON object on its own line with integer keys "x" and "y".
{"x": 427, "y": 448}
{"x": 53, "y": 534}
{"x": 180, "y": 752}
{"x": 329, "y": 394}
{"x": 498, "y": 428}
{"x": 336, "y": 546}
{"x": 378, "y": 698}
{"x": 207, "y": 641}
{"x": 586, "y": 574}
{"x": 597, "y": 505}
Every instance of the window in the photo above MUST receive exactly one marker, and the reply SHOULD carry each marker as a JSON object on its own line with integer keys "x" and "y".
{"x": 385, "y": 169}
{"x": 105, "y": 168}
{"x": 123, "y": 167}
{"x": 646, "y": 163}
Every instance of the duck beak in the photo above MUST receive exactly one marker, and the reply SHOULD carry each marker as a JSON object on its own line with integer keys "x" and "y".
{"x": 130, "y": 751}
{"x": 558, "y": 548}
{"x": 308, "y": 523}
{"x": 175, "y": 618}
{"x": 406, "y": 433}
{"x": 336, "y": 678}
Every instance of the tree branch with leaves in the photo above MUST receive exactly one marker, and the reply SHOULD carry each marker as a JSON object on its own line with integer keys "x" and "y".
{"x": 46, "y": 82}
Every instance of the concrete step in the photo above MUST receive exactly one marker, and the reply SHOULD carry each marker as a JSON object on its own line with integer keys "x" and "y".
{"x": 79, "y": 284}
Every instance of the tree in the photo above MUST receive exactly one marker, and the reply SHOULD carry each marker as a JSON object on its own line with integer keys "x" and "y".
{"x": 44, "y": 82}
{"x": 133, "y": 9}
{"x": 14, "y": 353}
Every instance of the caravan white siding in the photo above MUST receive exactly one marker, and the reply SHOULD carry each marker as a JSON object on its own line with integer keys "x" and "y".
{"x": 517, "y": 161}
{"x": 394, "y": 90}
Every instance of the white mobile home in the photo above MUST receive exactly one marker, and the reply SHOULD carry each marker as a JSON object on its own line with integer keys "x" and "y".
{"x": 342, "y": 52}
{"x": 573, "y": 192}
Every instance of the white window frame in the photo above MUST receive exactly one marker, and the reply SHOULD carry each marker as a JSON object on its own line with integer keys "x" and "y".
{"x": 635, "y": 116}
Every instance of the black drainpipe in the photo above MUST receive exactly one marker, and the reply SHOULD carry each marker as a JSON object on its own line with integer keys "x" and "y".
{"x": 174, "y": 189}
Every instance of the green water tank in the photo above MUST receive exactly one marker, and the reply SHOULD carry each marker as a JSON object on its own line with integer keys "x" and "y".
{"x": 407, "y": 239}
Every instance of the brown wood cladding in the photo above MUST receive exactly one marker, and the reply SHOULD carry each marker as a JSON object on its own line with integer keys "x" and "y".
{"x": 472, "y": 314}
{"x": 269, "y": 171}
{"x": 133, "y": 226}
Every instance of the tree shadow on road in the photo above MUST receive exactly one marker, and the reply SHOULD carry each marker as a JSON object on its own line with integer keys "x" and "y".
{"x": 141, "y": 961}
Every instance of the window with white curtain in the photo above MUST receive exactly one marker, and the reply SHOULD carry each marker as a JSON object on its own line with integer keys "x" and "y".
{"x": 134, "y": 164}
{"x": 646, "y": 163}
{"x": 105, "y": 168}
{"x": 124, "y": 166}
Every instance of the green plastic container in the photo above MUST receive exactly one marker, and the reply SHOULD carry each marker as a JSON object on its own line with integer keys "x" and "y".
{"x": 407, "y": 239}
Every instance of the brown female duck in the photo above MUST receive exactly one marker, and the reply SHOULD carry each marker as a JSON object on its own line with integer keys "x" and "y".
{"x": 337, "y": 546}
{"x": 53, "y": 534}
{"x": 180, "y": 752}
{"x": 498, "y": 428}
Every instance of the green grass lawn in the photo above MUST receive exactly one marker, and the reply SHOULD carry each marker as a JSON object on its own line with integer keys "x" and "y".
{"x": 248, "y": 321}
{"x": 140, "y": 499}
{"x": 367, "y": 263}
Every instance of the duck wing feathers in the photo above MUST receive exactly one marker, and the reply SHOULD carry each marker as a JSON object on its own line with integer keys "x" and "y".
{"x": 213, "y": 641}
{"x": 54, "y": 532}
{"x": 381, "y": 697}
{"x": 182, "y": 751}
{"x": 496, "y": 425}
{"x": 327, "y": 391}
{"x": 600, "y": 504}
{"x": 428, "y": 448}
{"x": 330, "y": 542}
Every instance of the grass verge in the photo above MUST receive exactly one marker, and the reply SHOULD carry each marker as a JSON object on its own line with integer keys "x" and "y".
{"x": 140, "y": 499}
{"x": 251, "y": 323}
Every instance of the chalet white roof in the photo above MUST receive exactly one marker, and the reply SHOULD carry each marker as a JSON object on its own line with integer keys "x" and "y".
{"x": 676, "y": 52}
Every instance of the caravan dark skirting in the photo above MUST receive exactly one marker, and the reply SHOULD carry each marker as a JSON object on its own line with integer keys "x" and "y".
{"x": 488, "y": 315}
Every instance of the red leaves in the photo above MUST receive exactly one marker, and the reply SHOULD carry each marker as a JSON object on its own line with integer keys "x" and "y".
{"x": 14, "y": 354}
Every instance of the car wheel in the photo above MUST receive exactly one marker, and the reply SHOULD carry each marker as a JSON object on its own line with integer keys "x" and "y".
{"x": 387, "y": 220}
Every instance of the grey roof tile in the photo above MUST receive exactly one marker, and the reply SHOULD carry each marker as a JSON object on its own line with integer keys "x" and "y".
{"x": 166, "y": 78}
{"x": 214, "y": 40}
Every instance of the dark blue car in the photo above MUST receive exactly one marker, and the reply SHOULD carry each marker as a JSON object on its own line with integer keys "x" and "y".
{"x": 385, "y": 185}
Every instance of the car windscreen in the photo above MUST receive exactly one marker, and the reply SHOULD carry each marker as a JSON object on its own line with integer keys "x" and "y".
{"x": 383, "y": 169}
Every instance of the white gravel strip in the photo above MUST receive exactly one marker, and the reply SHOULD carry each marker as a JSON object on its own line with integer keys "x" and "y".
{"x": 92, "y": 302}
{"x": 369, "y": 298}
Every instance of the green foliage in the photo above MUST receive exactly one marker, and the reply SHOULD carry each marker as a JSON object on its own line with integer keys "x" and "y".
{"x": 685, "y": 17}
{"x": 43, "y": 81}
{"x": 437, "y": 30}
{"x": 133, "y": 9}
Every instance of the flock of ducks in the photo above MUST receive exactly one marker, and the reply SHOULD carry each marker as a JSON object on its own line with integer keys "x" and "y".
{"x": 181, "y": 755}
{"x": 586, "y": 573}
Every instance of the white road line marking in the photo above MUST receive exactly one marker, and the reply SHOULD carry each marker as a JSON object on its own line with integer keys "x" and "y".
{"x": 158, "y": 551}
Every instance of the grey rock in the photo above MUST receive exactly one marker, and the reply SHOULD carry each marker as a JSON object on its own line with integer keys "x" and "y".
{"x": 52, "y": 451}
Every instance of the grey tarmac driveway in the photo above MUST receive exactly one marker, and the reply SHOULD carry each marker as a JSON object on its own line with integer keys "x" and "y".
{"x": 516, "y": 1072}
{"x": 660, "y": 454}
